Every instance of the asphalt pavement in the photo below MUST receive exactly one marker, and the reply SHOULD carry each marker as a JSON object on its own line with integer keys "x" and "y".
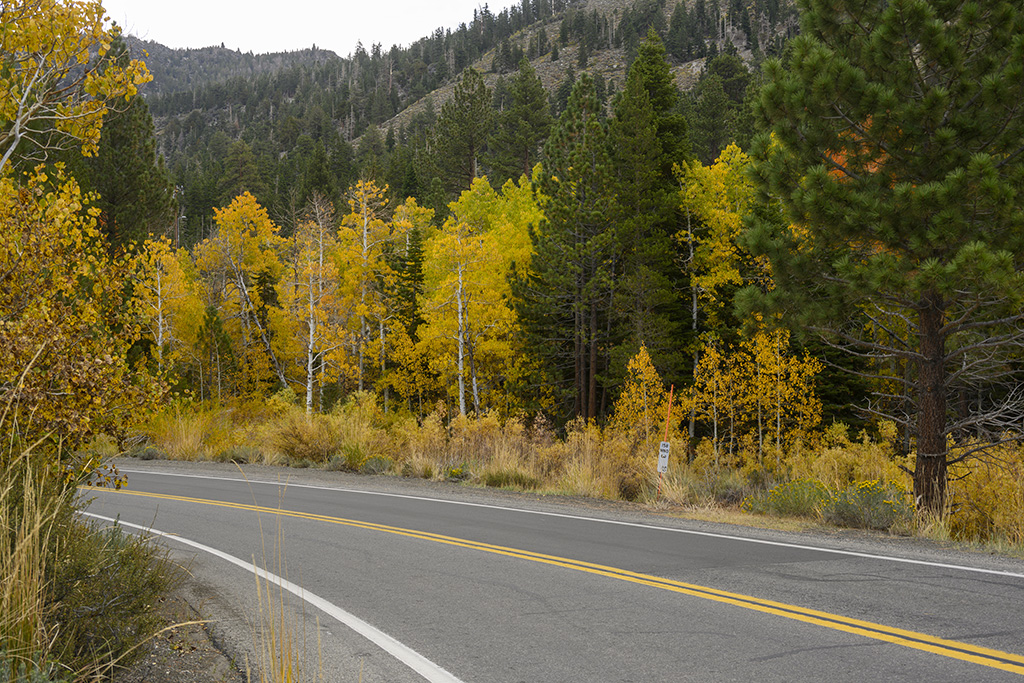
{"x": 489, "y": 586}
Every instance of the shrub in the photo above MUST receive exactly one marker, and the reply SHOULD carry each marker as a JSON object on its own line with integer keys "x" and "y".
{"x": 510, "y": 478}
{"x": 798, "y": 498}
{"x": 457, "y": 473}
{"x": 842, "y": 462}
{"x": 103, "y": 589}
{"x": 70, "y": 593}
{"x": 349, "y": 459}
{"x": 987, "y": 496}
{"x": 870, "y": 505}
{"x": 631, "y": 487}
{"x": 376, "y": 465}
{"x": 302, "y": 438}
{"x": 239, "y": 454}
{"x": 148, "y": 453}
{"x": 14, "y": 669}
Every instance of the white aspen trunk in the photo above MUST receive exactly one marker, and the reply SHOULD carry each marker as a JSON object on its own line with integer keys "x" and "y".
{"x": 310, "y": 348}
{"x": 249, "y": 317}
{"x": 362, "y": 296}
{"x": 383, "y": 367}
{"x": 472, "y": 375}
{"x": 779, "y": 377}
{"x": 760, "y": 410}
{"x": 359, "y": 343}
{"x": 693, "y": 326}
{"x": 461, "y": 334}
{"x": 714, "y": 421}
{"x": 160, "y": 322}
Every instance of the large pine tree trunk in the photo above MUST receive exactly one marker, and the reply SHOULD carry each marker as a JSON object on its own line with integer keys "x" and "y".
{"x": 592, "y": 387}
{"x": 930, "y": 468}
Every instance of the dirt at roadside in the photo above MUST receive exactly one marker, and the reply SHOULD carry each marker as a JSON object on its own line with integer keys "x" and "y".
{"x": 183, "y": 654}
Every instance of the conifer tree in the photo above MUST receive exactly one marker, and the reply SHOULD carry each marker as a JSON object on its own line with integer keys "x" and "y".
{"x": 646, "y": 137}
{"x": 896, "y": 151}
{"x": 135, "y": 190}
{"x": 566, "y": 295}
{"x": 521, "y": 129}
{"x": 461, "y": 133}
{"x": 656, "y": 77}
{"x": 644, "y": 208}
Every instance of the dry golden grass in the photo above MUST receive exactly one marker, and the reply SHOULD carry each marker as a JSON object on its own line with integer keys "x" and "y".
{"x": 987, "y": 496}
{"x": 27, "y": 516}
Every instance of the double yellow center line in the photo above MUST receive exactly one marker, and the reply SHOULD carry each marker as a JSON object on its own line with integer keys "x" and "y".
{"x": 996, "y": 659}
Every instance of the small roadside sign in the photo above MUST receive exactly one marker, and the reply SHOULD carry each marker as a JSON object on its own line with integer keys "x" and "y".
{"x": 663, "y": 456}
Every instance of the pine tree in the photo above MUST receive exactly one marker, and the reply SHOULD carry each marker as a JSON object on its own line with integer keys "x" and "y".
{"x": 135, "y": 190}
{"x": 461, "y": 132}
{"x": 896, "y": 152}
{"x": 644, "y": 211}
{"x": 566, "y": 295}
{"x": 643, "y": 134}
{"x": 656, "y": 78}
{"x": 521, "y": 129}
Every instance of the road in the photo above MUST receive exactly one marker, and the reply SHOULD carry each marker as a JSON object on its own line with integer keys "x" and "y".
{"x": 484, "y": 586}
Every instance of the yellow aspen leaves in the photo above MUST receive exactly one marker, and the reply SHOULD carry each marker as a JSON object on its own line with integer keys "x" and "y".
{"x": 757, "y": 399}
{"x": 51, "y": 93}
{"x": 718, "y": 196}
{"x": 240, "y": 265}
{"x": 66, "y": 320}
{"x": 469, "y": 322}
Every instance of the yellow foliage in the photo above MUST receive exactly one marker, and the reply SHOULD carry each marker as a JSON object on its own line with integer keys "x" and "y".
{"x": 986, "y": 496}
{"x": 469, "y": 321}
{"x": 840, "y": 462}
{"x": 56, "y": 76}
{"x": 66, "y": 322}
{"x": 719, "y": 196}
{"x": 760, "y": 395}
{"x": 170, "y": 306}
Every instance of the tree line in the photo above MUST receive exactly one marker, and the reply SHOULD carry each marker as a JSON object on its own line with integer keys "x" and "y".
{"x": 878, "y": 216}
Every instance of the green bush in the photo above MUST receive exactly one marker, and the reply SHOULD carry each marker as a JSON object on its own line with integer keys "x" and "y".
{"x": 350, "y": 459}
{"x": 376, "y": 465}
{"x": 103, "y": 589}
{"x": 799, "y": 498}
{"x": 631, "y": 488}
{"x": 19, "y": 671}
{"x": 870, "y": 505}
{"x": 511, "y": 478}
{"x": 457, "y": 473}
{"x": 239, "y": 454}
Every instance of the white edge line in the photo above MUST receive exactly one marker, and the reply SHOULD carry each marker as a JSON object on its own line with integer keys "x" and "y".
{"x": 692, "y": 532}
{"x": 403, "y": 653}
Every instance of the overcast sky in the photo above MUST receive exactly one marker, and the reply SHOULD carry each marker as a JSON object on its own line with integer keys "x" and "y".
{"x": 264, "y": 26}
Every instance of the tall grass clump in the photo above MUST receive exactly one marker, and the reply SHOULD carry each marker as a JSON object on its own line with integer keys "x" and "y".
{"x": 278, "y": 640}
{"x": 27, "y": 518}
{"x": 986, "y": 497}
{"x": 76, "y": 601}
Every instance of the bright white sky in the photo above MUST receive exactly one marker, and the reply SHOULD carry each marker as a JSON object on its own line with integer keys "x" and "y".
{"x": 266, "y": 26}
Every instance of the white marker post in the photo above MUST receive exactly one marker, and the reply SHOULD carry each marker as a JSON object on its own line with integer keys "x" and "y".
{"x": 663, "y": 457}
{"x": 663, "y": 451}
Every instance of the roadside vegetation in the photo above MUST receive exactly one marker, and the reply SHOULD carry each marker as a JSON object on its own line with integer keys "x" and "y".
{"x": 830, "y": 475}
{"x": 77, "y": 600}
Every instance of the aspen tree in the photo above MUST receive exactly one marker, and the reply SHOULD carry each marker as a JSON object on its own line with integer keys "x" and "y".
{"x": 244, "y": 250}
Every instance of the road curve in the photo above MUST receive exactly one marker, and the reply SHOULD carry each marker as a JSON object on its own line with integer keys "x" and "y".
{"x": 491, "y": 587}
